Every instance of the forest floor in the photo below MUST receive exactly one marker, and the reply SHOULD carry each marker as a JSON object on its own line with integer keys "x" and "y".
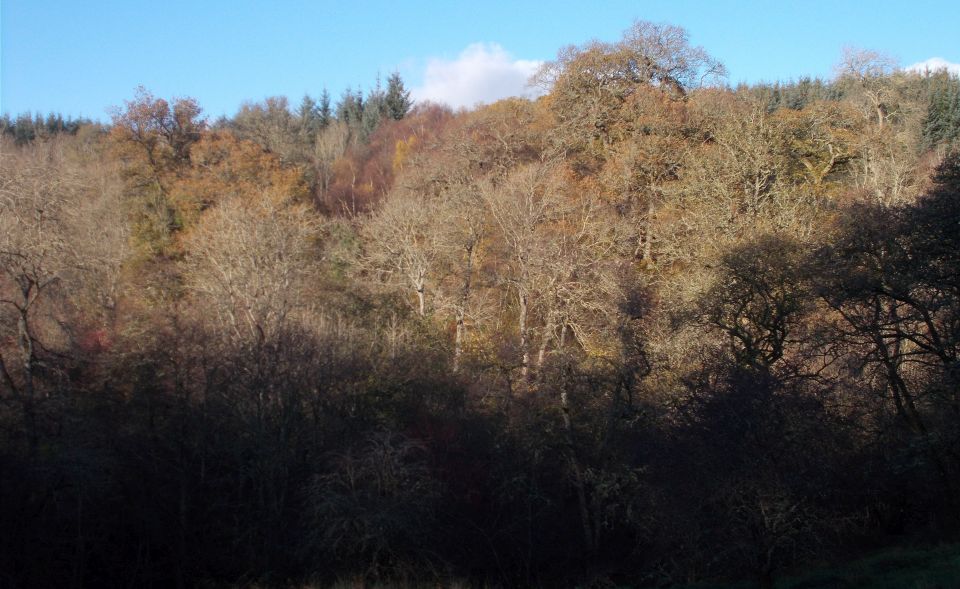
{"x": 896, "y": 568}
{"x": 930, "y": 567}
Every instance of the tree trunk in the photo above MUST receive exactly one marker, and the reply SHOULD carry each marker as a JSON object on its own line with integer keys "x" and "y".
{"x": 544, "y": 342}
{"x": 462, "y": 310}
{"x": 458, "y": 341}
{"x": 421, "y": 298}
{"x": 522, "y": 321}
{"x": 648, "y": 235}
{"x": 5, "y": 377}
{"x": 588, "y": 535}
{"x": 26, "y": 350}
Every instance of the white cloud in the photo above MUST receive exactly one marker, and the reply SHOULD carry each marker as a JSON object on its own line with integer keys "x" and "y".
{"x": 933, "y": 64}
{"x": 482, "y": 73}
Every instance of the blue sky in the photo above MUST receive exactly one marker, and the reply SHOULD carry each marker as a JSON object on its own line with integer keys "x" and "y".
{"x": 80, "y": 57}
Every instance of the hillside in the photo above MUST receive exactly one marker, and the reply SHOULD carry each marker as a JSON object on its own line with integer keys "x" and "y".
{"x": 645, "y": 330}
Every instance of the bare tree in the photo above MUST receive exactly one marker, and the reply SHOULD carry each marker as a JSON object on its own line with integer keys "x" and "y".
{"x": 463, "y": 226}
{"x": 870, "y": 72}
{"x": 61, "y": 245}
{"x": 250, "y": 262}
{"x": 589, "y": 84}
{"x": 402, "y": 243}
{"x": 561, "y": 252}
{"x": 528, "y": 199}
{"x": 271, "y": 124}
{"x": 331, "y": 144}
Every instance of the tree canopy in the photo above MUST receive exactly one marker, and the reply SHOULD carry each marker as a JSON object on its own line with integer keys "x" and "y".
{"x": 644, "y": 330}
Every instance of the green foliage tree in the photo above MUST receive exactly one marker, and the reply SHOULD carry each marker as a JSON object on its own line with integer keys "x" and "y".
{"x": 941, "y": 126}
{"x": 397, "y": 99}
{"x": 374, "y": 111}
{"x": 350, "y": 108}
{"x": 309, "y": 118}
{"x": 324, "y": 110}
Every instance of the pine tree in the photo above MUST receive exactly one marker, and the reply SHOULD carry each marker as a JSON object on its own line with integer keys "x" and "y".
{"x": 23, "y": 129}
{"x": 350, "y": 108}
{"x": 39, "y": 125}
{"x": 942, "y": 124}
{"x": 397, "y": 99}
{"x": 324, "y": 112}
{"x": 374, "y": 110}
{"x": 54, "y": 124}
{"x": 7, "y": 126}
{"x": 309, "y": 118}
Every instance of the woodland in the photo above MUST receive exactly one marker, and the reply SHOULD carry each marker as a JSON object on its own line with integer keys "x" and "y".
{"x": 646, "y": 330}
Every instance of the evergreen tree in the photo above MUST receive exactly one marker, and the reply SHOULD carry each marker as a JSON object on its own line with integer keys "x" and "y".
{"x": 39, "y": 125}
{"x": 7, "y": 126}
{"x": 23, "y": 132}
{"x": 942, "y": 124}
{"x": 26, "y": 127}
{"x": 350, "y": 108}
{"x": 324, "y": 112}
{"x": 774, "y": 97}
{"x": 362, "y": 115}
{"x": 54, "y": 124}
{"x": 397, "y": 99}
{"x": 309, "y": 118}
{"x": 795, "y": 95}
{"x": 374, "y": 111}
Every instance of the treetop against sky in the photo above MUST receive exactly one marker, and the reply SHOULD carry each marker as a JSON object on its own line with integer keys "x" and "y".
{"x": 80, "y": 58}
